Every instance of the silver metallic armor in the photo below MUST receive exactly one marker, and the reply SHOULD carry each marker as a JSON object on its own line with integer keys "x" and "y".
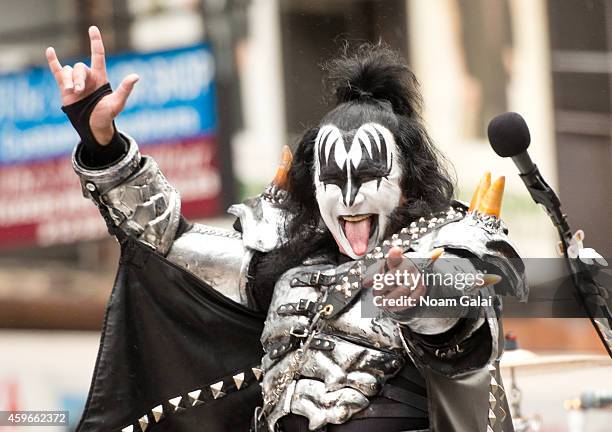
{"x": 348, "y": 359}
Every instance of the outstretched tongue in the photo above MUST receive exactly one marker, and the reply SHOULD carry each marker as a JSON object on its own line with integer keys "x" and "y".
{"x": 358, "y": 235}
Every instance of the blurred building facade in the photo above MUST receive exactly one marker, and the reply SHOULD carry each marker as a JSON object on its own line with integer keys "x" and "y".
{"x": 474, "y": 59}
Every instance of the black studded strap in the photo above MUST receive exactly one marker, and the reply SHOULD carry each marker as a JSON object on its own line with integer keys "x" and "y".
{"x": 349, "y": 284}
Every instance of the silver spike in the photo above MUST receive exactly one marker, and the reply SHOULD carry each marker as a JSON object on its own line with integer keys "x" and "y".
{"x": 216, "y": 390}
{"x": 492, "y": 367}
{"x": 129, "y": 428}
{"x": 158, "y": 413}
{"x": 492, "y": 400}
{"x": 494, "y": 385}
{"x": 143, "y": 422}
{"x": 194, "y": 397}
{"x": 257, "y": 372}
{"x": 239, "y": 380}
{"x": 175, "y": 402}
{"x": 492, "y": 418}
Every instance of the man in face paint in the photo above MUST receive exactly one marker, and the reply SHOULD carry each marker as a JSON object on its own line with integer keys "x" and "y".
{"x": 357, "y": 178}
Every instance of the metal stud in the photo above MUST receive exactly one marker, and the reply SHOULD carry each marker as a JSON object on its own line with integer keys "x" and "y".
{"x": 239, "y": 380}
{"x": 377, "y": 249}
{"x": 413, "y": 225}
{"x": 423, "y": 230}
{"x": 502, "y": 414}
{"x": 158, "y": 413}
{"x": 494, "y": 385}
{"x": 352, "y": 271}
{"x": 355, "y": 284}
{"x": 421, "y": 219}
{"x": 90, "y": 187}
{"x": 394, "y": 236}
{"x": 194, "y": 397}
{"x": 492, "y": 401}
{"x": 257, "y": 372}
{"x": 129, "y": 428}
{"x": 492, "y": 418}
{"x": 492, "y": 367}
{"x": 415, "y": 236}
{"x": 216, "y": 388}
{"x": 143, "y": 422}
{"x": 175, "y": 402}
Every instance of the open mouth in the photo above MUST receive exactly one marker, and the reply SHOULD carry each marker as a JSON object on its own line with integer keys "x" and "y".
{"x": 358, "y": 229}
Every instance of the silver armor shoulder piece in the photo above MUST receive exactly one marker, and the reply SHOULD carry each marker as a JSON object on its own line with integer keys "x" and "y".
{"x": 139, "y": 199}
{"x": 263, "y": 223}
{"x": 217, "y": 257}
{"x": 487, "y": 239}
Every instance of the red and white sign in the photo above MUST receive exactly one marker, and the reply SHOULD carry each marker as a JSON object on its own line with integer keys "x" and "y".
{"x": 41, "y": 202}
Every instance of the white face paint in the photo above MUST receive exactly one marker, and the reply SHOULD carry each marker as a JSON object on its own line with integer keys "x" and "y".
{"x": 357, "y": 180}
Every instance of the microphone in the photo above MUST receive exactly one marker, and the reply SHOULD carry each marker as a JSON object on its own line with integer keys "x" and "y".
{"x": 509, "y": 136}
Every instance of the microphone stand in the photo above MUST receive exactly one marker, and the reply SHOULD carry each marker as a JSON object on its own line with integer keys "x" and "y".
{"x": 588, "y": 291}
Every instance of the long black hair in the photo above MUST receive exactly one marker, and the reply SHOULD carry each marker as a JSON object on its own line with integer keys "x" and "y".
{"x": 371, "y": 83}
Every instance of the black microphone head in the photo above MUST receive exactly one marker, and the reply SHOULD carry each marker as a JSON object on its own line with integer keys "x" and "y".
{"x": 508, "y": 134}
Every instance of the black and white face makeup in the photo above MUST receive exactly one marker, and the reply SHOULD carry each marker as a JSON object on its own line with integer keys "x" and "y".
{"x": 357, "y": 179}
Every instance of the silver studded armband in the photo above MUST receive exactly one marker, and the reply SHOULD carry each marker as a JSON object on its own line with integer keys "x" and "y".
{"x": 135, "y": 196}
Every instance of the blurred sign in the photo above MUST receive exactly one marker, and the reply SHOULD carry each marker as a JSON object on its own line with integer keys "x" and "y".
{"x": 171, "y": 114}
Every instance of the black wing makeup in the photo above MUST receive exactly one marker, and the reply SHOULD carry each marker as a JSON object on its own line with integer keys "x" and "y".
{"x": 368, "y": 157}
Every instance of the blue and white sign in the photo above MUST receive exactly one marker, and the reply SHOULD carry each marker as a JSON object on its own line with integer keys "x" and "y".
{"x": 174, "y": 100}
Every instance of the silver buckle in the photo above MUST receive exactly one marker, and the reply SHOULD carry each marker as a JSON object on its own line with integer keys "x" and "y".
{"x": 315, "y": 277}
{"x": 301, "y": 333}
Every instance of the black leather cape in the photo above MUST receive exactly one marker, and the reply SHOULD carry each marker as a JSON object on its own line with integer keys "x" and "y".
{"x": 175, "y": 355}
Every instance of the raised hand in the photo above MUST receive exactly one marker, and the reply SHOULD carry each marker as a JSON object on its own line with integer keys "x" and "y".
{"x": 79, "y": 81}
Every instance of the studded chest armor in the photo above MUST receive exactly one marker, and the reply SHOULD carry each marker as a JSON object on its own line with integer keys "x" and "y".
{"x": 347, "y": 360}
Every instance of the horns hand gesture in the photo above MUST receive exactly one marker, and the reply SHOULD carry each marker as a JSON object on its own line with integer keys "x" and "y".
{"x": 79, "y": 81}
